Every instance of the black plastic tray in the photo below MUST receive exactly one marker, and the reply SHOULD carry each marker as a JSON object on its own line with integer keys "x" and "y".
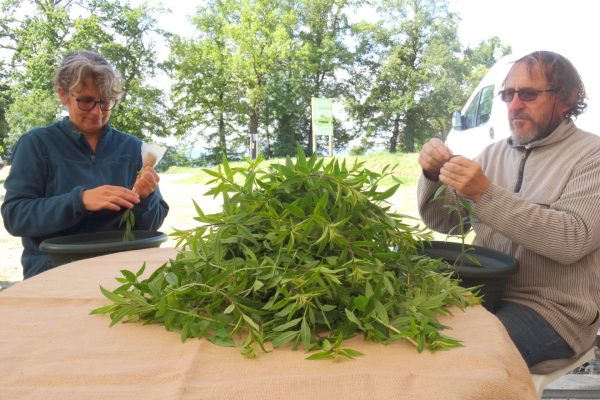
{"x": 64, "y": 249}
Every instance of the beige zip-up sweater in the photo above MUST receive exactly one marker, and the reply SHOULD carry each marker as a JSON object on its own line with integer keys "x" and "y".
{"x": 551, "y": 224}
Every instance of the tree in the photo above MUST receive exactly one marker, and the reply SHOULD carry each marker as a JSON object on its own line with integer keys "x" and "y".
{"x": 205, "y": 91}
{"x": 34, "y": 41}
{"x": 52, "y": 28}
{"x": 322, "y": 58}
{"x": 253, "y": 68}
{"x": 124, "y": 38}
{"x": 418, "y": 73}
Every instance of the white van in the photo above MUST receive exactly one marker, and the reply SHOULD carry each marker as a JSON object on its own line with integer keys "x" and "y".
{"x": 484, "y": 118}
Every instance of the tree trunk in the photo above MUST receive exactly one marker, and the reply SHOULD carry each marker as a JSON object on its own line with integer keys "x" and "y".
{"x": 309, "y": 150}
{"x": 408, "y": 139}
{"x": 395, "y": 135}
{"x": 222, "y": 136}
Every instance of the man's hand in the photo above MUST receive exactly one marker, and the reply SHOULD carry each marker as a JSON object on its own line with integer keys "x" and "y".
{"x": 109, "y": 197}
{"x": 146, "y": 182}
{"x": 432, "y": 157}
{"x": 465, "y": 176}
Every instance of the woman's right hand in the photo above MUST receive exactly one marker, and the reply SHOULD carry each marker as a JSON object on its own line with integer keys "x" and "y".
{"x": 109, "y": 197}
{"x": 432, "y": 157}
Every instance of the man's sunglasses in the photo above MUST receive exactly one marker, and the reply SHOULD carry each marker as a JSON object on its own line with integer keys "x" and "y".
{"x": 525, "y": 94}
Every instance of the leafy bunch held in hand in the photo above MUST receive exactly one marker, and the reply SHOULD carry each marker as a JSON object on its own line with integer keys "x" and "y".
{"x": 151, "y": 155}
{"x": 305, "y": 253}
{"x": 463, "y": 211}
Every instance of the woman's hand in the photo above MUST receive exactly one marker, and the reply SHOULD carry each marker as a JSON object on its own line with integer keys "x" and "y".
{"x": 146, "y": 182}
{"x": 109, "y": 197}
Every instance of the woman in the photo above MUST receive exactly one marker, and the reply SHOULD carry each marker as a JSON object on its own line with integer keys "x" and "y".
{"x": 79, "y": 174}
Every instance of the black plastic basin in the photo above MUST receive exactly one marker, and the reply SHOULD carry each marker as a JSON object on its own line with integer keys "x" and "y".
{"x": 492, "y": 272}
{"x": 65, "y": 249}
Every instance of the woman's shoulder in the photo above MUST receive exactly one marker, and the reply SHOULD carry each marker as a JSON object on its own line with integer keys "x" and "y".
{"x": 40, "y": 134}
{"x": 125, "y": 137}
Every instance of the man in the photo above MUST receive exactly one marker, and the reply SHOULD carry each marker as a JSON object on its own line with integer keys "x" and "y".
{"x": 536, "y": 197}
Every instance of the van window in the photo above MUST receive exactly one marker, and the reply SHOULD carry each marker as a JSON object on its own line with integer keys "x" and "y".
{"x": 485, "y": 105}
{"x": 480, "y": 109}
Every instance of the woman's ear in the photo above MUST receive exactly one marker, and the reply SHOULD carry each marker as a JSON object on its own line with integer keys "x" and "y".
{"x": 63, "y": 96}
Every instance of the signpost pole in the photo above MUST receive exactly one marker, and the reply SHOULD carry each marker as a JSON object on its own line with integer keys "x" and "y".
{"x": 322, "y": 121}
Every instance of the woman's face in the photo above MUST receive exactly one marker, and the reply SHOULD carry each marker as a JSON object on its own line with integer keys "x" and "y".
{"x": 89, "y": 122}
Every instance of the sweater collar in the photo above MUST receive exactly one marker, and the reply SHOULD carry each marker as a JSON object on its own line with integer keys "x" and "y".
{"x": 565, "y": 129}
{"x": 72, "y": 132}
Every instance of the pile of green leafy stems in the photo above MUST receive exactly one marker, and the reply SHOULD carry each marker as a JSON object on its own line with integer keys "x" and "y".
{"x": 307, "y": 254}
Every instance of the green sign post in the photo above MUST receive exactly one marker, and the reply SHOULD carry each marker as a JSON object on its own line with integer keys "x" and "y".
{"x": 322, "y": 121}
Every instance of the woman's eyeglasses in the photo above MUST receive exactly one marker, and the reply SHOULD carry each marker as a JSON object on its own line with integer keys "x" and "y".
{"x": 525, "y": 94}
{"x": 88, "y": 104}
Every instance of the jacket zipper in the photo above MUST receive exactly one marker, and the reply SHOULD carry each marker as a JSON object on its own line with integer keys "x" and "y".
{"x": 521, "y": 169}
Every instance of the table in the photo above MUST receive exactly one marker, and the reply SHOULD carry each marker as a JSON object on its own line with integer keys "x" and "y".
{"x": 51, "y": 348}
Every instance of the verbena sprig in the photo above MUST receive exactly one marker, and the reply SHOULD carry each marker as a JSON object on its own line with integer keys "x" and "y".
{"x": 464, "y": 212}
{"x": 127, "y": 221}
{"x": 305, "y": 253}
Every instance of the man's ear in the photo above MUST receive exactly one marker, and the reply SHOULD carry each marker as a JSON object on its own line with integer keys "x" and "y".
{"x": 564, "y": 106}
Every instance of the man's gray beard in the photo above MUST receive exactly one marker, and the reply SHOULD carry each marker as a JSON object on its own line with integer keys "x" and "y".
{"x": 537, "y": 133}
{"x": 523, "y": 140}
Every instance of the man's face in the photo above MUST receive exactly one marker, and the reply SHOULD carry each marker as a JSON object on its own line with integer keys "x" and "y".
{"x": 535, "y": 119}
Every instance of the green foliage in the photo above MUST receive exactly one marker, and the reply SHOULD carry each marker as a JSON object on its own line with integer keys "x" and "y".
{"x": 413, "y": 74}
{"x": 463, "y": 211}
{"x": 50, "y": 30}
{"x": 127, "y": 223}
{"x": 305, "y": 253}
{"x": 251, "y": 67}
{"x": 408, "y": 170}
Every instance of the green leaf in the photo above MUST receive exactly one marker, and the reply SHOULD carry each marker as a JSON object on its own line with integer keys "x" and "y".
{"x": 287, "y": 325}
{"x": 229, "y": 309}
{"x": 129, "y": 276}
{"x": 323, "y": 355}
{"x": 361, "y": 302}
{"x": 387, "y": 194}
{"x": 253, "y": 325}
{"x": 301, "y": 162}
{"x": 227, "y": 169}
{"x": 350, "y": 353}
{"x": 284, "y": 337}
{"x": 305, "y": 334}
{"x": 172, "y": 279}
{"x": 352, "y": 318}
{"x": 115, "y": 298}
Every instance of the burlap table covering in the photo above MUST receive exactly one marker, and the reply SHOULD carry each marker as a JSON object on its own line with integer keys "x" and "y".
{"x": 51, "y": 348}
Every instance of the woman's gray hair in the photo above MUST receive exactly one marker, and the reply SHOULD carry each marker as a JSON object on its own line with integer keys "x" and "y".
{"x": 78, "y": 66}
{"x": 562, "y": 76}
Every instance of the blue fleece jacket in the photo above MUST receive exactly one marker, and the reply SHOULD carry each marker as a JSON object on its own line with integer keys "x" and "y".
{"x": 50, "y": 169}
